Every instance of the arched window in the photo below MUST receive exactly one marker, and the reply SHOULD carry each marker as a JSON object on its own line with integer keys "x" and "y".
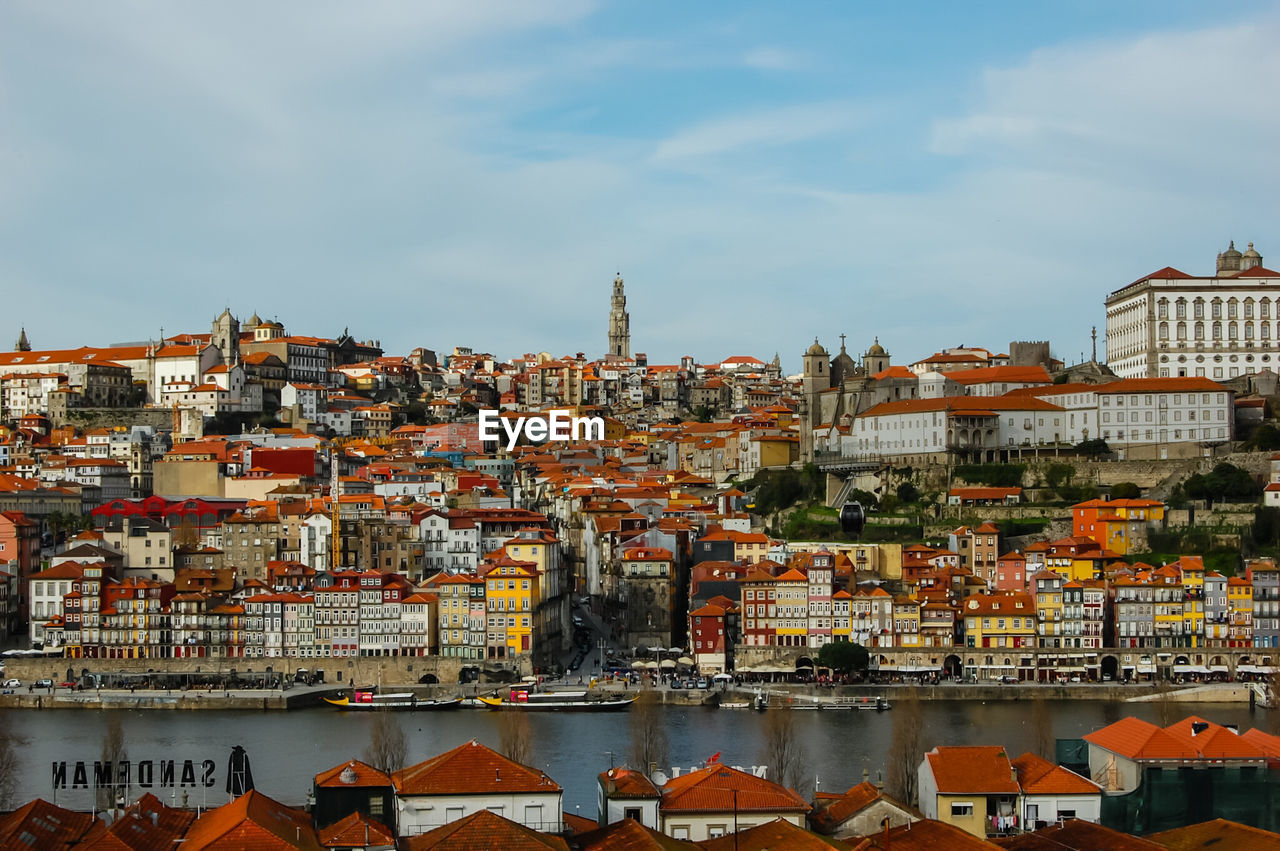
{"x": 1215, "y": 308}
{"x": 1232, "y": 331}
{"x": 1264, "y": 308}
{"x": 1164, "y": 330}
{"x": 1162, "y": 308}
{"x": 1248, "y": 308}
{"x": 1217, "y": 330}
{"x": 1182, "y": 308}
{"x": 1182, "y": 330}
{"x": 1198, "y": 308}
{"x": 1232, "y": 308}
{"x": 1199, "y": 331}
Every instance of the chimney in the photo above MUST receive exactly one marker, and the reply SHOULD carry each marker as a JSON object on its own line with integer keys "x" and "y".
{"x": 886, "y": 833}
{"x": 497, "y": 775}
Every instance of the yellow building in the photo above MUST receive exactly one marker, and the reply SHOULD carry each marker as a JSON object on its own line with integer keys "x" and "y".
{"x": 791, "y": 596}
{"x": 906, "y": 622}
{"x": 842, "y": 616}
{"x": 1005, "y": 620}
{"x": 1169, "y": 602}
{"x": 1118, "y": 525}
{"x": 1192, "y": 571}
{"x": 1047, "y": 587}
{"x": 972, "y": 788}
{"x": 511, "y": 595}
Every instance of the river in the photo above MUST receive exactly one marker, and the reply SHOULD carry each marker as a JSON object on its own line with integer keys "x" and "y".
{"x": 288, "y": 748}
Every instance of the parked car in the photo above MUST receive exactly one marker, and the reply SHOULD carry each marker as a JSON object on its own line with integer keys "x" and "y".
{"x": 12, "y": 682}
{"x": 67, "y": 684}
{"x": 702, "y": 683}
{"x": 44, "y": 683}
{"x": 1008, "y": 679}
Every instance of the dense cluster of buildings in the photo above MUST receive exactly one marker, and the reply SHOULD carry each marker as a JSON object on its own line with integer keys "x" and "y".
{"x": 377, "y": 518}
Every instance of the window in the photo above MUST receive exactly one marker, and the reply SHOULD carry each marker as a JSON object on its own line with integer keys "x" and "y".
{"x": 961, "y": 810}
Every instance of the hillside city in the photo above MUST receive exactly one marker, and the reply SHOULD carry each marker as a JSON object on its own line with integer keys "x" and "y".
{"x": 210, "y": 507}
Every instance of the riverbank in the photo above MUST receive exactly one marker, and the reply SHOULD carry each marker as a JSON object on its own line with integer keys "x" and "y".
{"x": 781, "y": 696}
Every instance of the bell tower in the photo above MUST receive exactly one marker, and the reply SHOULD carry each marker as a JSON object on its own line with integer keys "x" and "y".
{"x": 619, "y": 321}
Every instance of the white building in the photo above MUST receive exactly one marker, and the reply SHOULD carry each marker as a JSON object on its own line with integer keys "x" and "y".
{"x": 470, "y": 778}
{"x": 1164, "y": 417}
{"x": 46, "y": 590}
{"x": 975, "y": 427}
{"x": 1171, "y": 324}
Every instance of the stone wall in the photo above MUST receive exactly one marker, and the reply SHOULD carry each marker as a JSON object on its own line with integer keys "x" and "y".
{"x": 390, "y": 670}
{"x": 90, "y": 418}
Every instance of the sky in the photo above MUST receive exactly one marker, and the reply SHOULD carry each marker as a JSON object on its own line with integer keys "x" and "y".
{"x": 475, "y": 173}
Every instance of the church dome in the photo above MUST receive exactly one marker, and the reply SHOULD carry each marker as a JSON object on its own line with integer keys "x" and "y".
{"x": 816, "y": 349}
{"x": 1251, "y": 253}
{"x": 876, "y": 349}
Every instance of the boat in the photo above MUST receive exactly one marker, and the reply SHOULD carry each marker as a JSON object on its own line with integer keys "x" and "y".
{"x": 401, "y": 702}
{"x": 736, "y": 704}
{"x": 560, "y": 701}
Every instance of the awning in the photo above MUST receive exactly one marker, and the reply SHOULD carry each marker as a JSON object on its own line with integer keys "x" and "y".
{"x": 639, "y": 664}
{"x": 1146, "y": 669}
{"x": 667, "y": 664}
{"x": 1218, "y": 669}
{"x": 1190, "y": 669}
{"x": 685, "y": 660}
{"x": 651, "y": 665}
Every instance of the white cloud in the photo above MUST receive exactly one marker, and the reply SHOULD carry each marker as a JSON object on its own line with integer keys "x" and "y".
{"x": 770, "y": 128}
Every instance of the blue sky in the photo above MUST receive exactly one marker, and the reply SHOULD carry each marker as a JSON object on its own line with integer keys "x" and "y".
{"x": 474, "y": 173}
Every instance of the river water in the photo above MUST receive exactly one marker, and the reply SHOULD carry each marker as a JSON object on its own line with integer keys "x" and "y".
{"x": 287, "y": 748}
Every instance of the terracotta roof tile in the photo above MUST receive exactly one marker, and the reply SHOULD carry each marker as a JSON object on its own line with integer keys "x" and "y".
{"x": 252, "y": 821}
{"x": 50, "y": 826}
{"x": 972, "y": 770}
{"x": 1218, "y": 833}
{"x": 470, "y": 769}
{"x": 927, "y": 835}
{"x": 1038, "y": 776}
{"x": 356, "y": 831}
{"x": 719, "y": 788}
{"x": 361, "y": 774}
{"x": 774, "y": 834}
{"x": 629, "y": 835}
{"x": 484, "y": 829}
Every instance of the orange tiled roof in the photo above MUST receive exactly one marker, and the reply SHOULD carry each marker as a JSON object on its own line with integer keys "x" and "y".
{"x": 841, "y": 807}
{"x": 628, "y": 835}
{"x": 356, "y": 831}
{"x": 484, "y": 829}
{"x": 1218, "y": 833}
{"x": 1038, "y": 776}
{"x": 1137, "y": 739}
{"x": 984, "y": 770}
{"x": 362, "y": 774}
{"x": 49, "y": 825}
{"x": 926, "y": 834}
{"x": 470, "y": 769}
{"x": 252, "y": 821}
{"x": 712, "y": 789}
{"x": 778, "y": 833}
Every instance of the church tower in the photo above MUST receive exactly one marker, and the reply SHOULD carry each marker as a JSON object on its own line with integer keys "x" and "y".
{"x": 23, "y": 345}
{"x": 226, "y": 336}
{"x": 619, "y": 322}
{"x": 815, "y": 376}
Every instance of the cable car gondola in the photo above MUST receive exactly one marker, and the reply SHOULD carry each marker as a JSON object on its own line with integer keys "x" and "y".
{"x": 852, "y": 518}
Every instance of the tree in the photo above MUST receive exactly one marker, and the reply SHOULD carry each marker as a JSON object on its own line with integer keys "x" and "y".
{"x": 905, "y": 748}
{"x": 185, "y": 535}
{"x": 1166, "y": 710}
{"x": 514, "y": 738}
{"x": 9, "y": 745}
{"x": 908, "y": 492}
{"x": 1042, "y": 729}
{"x": 1125, "y": 490}
{"x": 782, "y": 751}
{"x": 387, "y": 747}
{"x": 1265, "y": 438}
{"x": 1093, "y": 448}
{"x": 648, "y": 733}
{"x": 114, "y": 753}
{"x": 1225, "y": 483}
{"x": 843, "y": 656}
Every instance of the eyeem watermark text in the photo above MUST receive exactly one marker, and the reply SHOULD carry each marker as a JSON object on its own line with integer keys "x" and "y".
{"x": 557, "y": 425}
